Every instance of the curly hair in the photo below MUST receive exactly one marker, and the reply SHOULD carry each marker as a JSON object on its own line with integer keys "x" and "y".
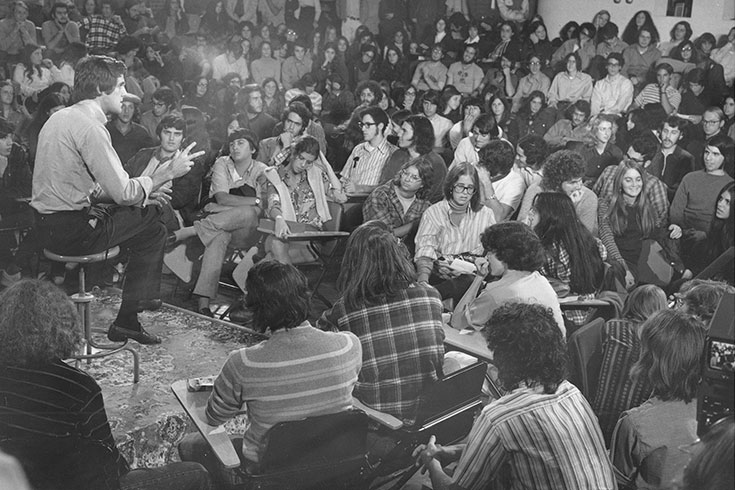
{"x": 514, "y": 244}
{"x": 38, "y": 324}
{"x": 497, "y": 157}
{"x": 278, "y": 295}
{"x": 375, "y": 265}
{"x": 703, "y": 296}
{"x": 535, "y": 150}
{"x": 426, "y": 172}
{"x": 560, "y": 167}
{"x": 528, "y": 346}
{"x": 671, "y": 350}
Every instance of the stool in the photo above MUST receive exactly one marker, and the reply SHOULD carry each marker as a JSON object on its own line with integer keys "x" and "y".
{"x": 83, "y": 299}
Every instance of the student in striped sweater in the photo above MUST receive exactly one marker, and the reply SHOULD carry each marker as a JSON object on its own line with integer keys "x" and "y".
{"x": 298, "y": 372}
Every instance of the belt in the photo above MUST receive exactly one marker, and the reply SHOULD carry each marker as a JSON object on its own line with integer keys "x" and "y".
{"x": 353, "y": 18}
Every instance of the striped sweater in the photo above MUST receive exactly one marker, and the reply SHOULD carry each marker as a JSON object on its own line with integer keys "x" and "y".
{"x": 297, "y": 373}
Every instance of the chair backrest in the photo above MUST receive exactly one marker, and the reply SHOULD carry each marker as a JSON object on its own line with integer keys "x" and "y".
{"x": 316, "y": 442}
{"x": 455, "y": 390}
{"x": 585, "y": 353}
{"x": 336, "y": 210}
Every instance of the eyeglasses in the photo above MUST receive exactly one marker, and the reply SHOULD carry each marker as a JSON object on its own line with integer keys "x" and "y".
{"x": 410, "y": 177}
{"x": 613, "y": 64}
{"x": 363, "y": 124}
{"x": 533, "y": 63}
{"x": 686, "y": 48}
{"x": 464, "y": 189}
{"x": 710, "y": 123}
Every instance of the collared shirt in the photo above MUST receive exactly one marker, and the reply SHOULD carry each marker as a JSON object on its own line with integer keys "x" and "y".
{"x": 383, "y": 205}
{"x": 302, "y": 197}
{"x": 226, "y": 177}
{"x": 655, "y": 191}
{"x": 102, "y": 34}
{"x": 533, "y": 432}
{"x": 402, "y": 347}
{"x": 611, "y": 95}
{"x": 651, "y": 94}
{"x": 671, "y": 168}
{"x": 437, "y": 235}
{"x": 597, "y": 162}
{"x": 221, "y": 66}
{"x": 365, "y": 163}
{"x": 75, "y": 155}
{"x": 572, "y": 89}
{"x": 528, "y": 84}
{"x": 636, "y": 63}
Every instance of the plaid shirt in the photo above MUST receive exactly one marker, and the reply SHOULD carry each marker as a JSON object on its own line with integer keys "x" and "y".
{"x": 383, "y": 205}
{"x": 655, "y": 190}
{"x": 102, "y": 34}
{"x": 402, "y": 347}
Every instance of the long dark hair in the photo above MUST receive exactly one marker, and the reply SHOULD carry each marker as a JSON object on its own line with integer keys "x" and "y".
{"x": 375, "y": 265}
{"x": 721, "y": 235}
{"x": 559, "y": 228}
{"x": 618, "y": 211}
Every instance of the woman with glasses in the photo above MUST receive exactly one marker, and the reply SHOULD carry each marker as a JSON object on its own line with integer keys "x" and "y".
{"x": 646, "y": 448}
{"x": 451, "y": 228}
{"x": 401, "y": 202}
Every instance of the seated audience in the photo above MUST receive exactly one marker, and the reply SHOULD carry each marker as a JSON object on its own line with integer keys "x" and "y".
{"x": 647, "y": 447}
{"x": 531, "y": 152}
{"x": 710, "y": 466}
{"x": 300, "y": 371}
{"x": 471, "y": 110}
{"x": 431, "y": 103}
{"x": 572, "y": 128}
{"x": 701, "y": 297}
{"x": 721, "y": 234}
{"x": 536, "y": 80}
{"x": 614, "y": 93}
{"x": 570, "y": 85}
{"x": 451, "y": 228}
{"x": 562, "y": 172}
{"x": 671, "y": 162}
{"x": 514, "y": 254}
{"x": 365, "y": 163}
{"x": 483, "y": 131}
{"x": 397, "y": 320}
{"x": 662, "y": 92}
{"x": 52, "y": 416}
{"x": 621, "y": 345}
{"x": 641, "y": 56}
{"x": 164, "y": 103}
{"x": 524, "y": 438}
{"x": 502, "y": 188}
{"x": 532, "y": 118}
{"x": 600, "y": 152}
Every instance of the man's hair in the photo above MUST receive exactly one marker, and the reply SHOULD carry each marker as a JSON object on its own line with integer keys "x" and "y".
{"x": 243, "y": 95}
{"x": 646, "y": 145}
{"x": 434, "y": 97}
{"x": 617, "y": 57}
{"x": 171, "y": 121}
{"x": 234, "y": 47}
{"x": 486, "y": 124}
{"x": 379, "y": 116}
{"x": 535, "y": 150}
{"x": 497, "y": 157}
{"x": 464, "y": 168}
{"x": 582, "y": 106}
{"x": 471, "y": 101}
{"x": 704, "y": 297}
{"x": 301, "y": 110}
{"x": 671, "y": 349}
{"x": 244, "y": 134}
{"x": 717, "y": 111}
{"x": 38, "y": 324}
{"x": 643, "y": 302}
{"x": 608, "y": 31}
{"x": 528, "y": 346}
{"x": 306, "y": 144}
{"x": 371, "y": 85}
{"x": 515, "y": 244}
{"x": 665, "y": 66}
{"x": 423, "y": 133}
{"x": 590, "y": 28}
{"x": 278, "y": 295}
{"x": 562, "y": 166}
{"x": 167, "y": 96}
{"x": 5, "y": 128}
{"x": 367, "y": 48}
{"x": 577, "y": 59}
{"x": 304, "y": 99}
{"x": 676, "y": 122}
{"x": 127, "y": 44}
{"x": 375, "y": 266}
{"x": 96, "y": 75}
{"x": 697, "y": 76}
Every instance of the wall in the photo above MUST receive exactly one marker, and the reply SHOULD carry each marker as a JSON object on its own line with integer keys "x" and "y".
{"x": 707, "y": 15}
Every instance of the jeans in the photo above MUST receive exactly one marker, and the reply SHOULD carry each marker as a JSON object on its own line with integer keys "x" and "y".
{"x": 174, "y": 476}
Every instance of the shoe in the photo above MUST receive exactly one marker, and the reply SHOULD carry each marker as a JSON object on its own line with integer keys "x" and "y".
{"x": 149, "y": 304}
{"x": 206, "y": 312}
{"x": 119, "y": 334}
{"x": 9, "y": 277}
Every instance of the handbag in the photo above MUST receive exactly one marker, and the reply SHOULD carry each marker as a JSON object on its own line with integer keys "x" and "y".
{"x": 654, "y": 267}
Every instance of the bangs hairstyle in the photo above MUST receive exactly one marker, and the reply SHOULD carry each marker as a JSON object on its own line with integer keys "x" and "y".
{"x": 38, "y": 324}
{"x": 617, "y": 212}
{"x": 96, "y": 75}
{"x": 528, "y": 346}
{"x": 172, "y": 121}
{"x": 672, "y": 343}
{"x": 515, "y": 244}
{"x": 559, "y": 229}
{"x": 306, "y": 144}
{"x": 643, "y": 302}
{"x": 278, "y": 295}
{"x": 464, "y": 168}
{"x": 376, "y": 265}
{"x": 426, "y": 172}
